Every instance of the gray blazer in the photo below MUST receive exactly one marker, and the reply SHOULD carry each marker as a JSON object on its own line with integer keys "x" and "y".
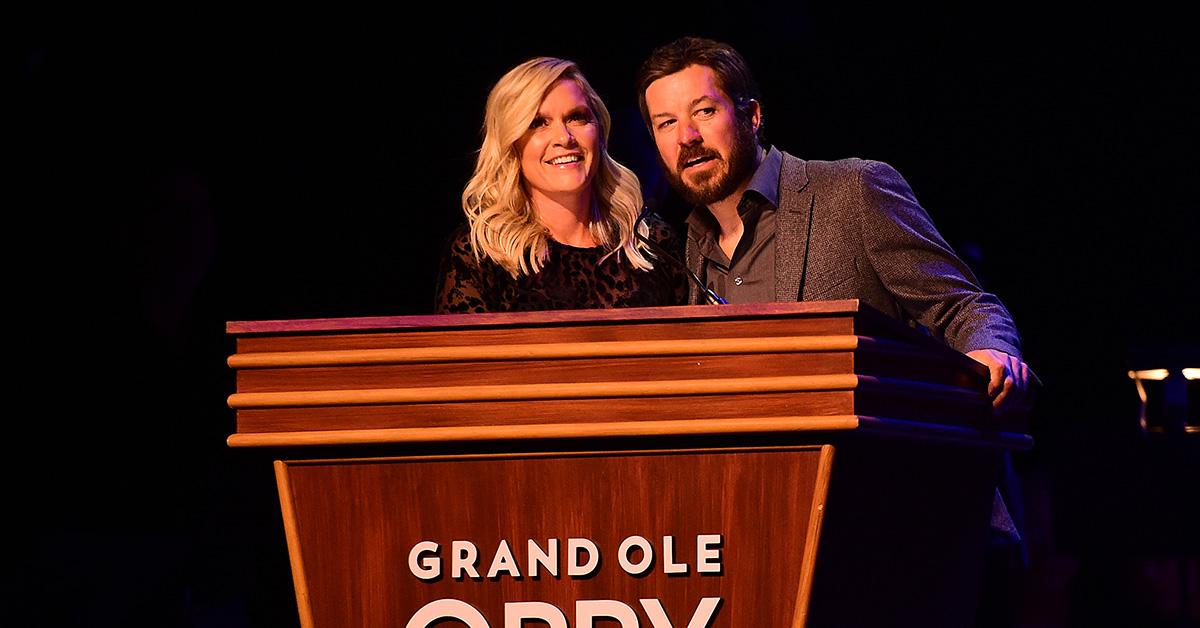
{"x": 852, "y": 229}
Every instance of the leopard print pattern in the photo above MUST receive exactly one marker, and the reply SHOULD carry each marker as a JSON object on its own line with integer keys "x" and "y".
{"x": 572, "y": 278}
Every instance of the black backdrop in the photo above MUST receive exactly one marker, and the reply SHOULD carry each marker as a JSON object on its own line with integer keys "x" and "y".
{"x": 205, "y": 168}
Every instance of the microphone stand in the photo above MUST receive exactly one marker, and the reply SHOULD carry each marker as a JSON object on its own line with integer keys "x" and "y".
{"x": 712, "y": 297}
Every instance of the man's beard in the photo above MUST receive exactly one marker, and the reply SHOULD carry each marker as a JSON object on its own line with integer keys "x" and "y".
{"x": 723, "y": 183}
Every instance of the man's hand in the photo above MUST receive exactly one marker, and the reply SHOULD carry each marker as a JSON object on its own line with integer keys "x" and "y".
{"x": 1012, "y": 383}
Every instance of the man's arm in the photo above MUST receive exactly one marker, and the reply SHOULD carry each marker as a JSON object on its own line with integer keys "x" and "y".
{"x": 935, "y": 287}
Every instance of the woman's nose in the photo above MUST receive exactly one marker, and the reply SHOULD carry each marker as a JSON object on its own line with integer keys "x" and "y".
{"x": 564, "y": 136}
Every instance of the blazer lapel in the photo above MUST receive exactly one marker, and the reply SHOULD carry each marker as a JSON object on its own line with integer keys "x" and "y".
{"x": 694, "y": 262}
{"x": 792, "y": 228}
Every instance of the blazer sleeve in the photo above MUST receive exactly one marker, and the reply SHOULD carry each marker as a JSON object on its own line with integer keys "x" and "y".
{"x": 920, "y": 270}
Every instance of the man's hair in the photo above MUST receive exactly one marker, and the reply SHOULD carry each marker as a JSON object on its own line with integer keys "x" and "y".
{"x": 504, "y": 225}
{"x": 732, "y": 73}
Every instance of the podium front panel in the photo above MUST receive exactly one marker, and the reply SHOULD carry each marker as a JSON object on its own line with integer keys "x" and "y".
{"x": 730, "y": 533}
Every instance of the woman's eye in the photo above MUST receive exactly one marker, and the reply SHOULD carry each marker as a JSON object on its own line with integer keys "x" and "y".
{"x": 537, "y": 123}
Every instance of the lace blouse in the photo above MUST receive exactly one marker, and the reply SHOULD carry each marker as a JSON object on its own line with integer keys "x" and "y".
{"x": 571, "y": 278}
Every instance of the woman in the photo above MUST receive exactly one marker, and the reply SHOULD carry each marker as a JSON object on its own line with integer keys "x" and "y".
{"x": 553, "y": 221}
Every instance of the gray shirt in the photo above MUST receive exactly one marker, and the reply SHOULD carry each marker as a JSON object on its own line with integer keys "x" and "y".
{"x": 750, "y": 276}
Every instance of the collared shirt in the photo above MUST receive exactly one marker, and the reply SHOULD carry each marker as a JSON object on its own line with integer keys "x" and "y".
{"x": 750, "y": 276}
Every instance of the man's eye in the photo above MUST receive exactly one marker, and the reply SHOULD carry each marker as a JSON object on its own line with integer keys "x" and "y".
{"x": 706, "y": 112}
{"x": 664, "y": 124}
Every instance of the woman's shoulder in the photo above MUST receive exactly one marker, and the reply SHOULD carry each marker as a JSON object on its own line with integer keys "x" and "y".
{"x": 459, "y": 241}
{"x": 467, "y": 283}
{"x": 459, "y": 247}
{"x": 458, "y": 256}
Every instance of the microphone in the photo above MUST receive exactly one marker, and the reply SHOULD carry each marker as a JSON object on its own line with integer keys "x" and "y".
{"x": 712, "y": 297}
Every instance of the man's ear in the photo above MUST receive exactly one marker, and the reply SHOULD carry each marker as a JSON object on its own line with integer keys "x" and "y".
{"x": 755, "y": 109}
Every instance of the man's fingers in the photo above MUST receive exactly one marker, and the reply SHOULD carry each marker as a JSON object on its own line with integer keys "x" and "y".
{"x": 1005, "y": 392}
{"x": 1014, "y": 370}
{"x": 1010, "y": 381}
{"x": 996, "y": 379}
{"x": 1018, "y": 393}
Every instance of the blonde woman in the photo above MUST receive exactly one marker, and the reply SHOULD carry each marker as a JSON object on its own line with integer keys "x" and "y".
{"x": 552, "y": 220}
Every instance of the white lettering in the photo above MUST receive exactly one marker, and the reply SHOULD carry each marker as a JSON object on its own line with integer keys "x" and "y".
{"x": 547, "y": 559}
{"x": 639, "y": 568}
{"x": 705, "y": 611}
{"x": 708, "y": 553}
{"x": 447, "y": 609}
{"x": 463, "y": 558}
{"x": 516, "y": 612}
{"x": 669, "y": 564}
{"x": 586, "y": 612}
{"x": 504, "y": 561}
{"x": 425, "y": 567}
{"x": 574, "y": 546}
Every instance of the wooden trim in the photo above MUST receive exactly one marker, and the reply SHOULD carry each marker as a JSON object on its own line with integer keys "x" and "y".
{"x": 746, "y": 425}
{"x": 573, "y": 453}
{"x": 532, "y": 392}
{"x": 600, "y": 390}
{"x": 808, "y": 562}
{"x": 293, "y": 541}
{"x": 552, "y": 351}
{"x": 551, "y": 430}
{"x": 548, "y": 317}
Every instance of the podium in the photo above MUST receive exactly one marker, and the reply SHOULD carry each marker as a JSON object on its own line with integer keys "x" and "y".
{"x": 785, "y": 464}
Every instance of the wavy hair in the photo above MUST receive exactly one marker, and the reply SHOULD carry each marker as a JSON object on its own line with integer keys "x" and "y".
{"x": 504, "y": 224}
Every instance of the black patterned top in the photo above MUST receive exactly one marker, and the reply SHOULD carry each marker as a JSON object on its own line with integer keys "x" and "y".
{"x": 572, "y": 278}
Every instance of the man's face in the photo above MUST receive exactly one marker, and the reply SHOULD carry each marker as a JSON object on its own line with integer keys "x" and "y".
{"x": 707, "y": 152}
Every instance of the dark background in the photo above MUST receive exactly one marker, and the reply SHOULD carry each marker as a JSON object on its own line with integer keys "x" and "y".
{"x": 205, "y": 168}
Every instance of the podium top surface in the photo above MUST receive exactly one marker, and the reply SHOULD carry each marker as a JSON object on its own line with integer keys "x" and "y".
{"x": 552, "y": 317}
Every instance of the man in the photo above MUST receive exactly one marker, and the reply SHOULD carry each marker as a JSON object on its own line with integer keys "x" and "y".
{"x": 771, "y": 227}
{"x": 778, "y": 228}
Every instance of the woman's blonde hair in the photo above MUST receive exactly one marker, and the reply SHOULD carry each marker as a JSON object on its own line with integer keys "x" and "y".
{"x": 504, "y": 224}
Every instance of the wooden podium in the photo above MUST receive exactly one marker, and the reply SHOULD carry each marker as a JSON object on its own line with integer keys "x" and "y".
{"x": 745, "y": 465}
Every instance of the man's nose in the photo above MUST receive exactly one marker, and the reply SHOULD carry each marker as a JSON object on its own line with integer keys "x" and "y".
{"x": 688, "y": 134}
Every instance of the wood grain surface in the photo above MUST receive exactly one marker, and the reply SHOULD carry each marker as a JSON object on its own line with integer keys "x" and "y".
{"x": 358, "y": 520}
{"x": 812, "y": 309}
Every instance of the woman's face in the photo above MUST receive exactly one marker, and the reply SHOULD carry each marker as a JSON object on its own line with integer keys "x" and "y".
{"x": 560, "y": 150}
